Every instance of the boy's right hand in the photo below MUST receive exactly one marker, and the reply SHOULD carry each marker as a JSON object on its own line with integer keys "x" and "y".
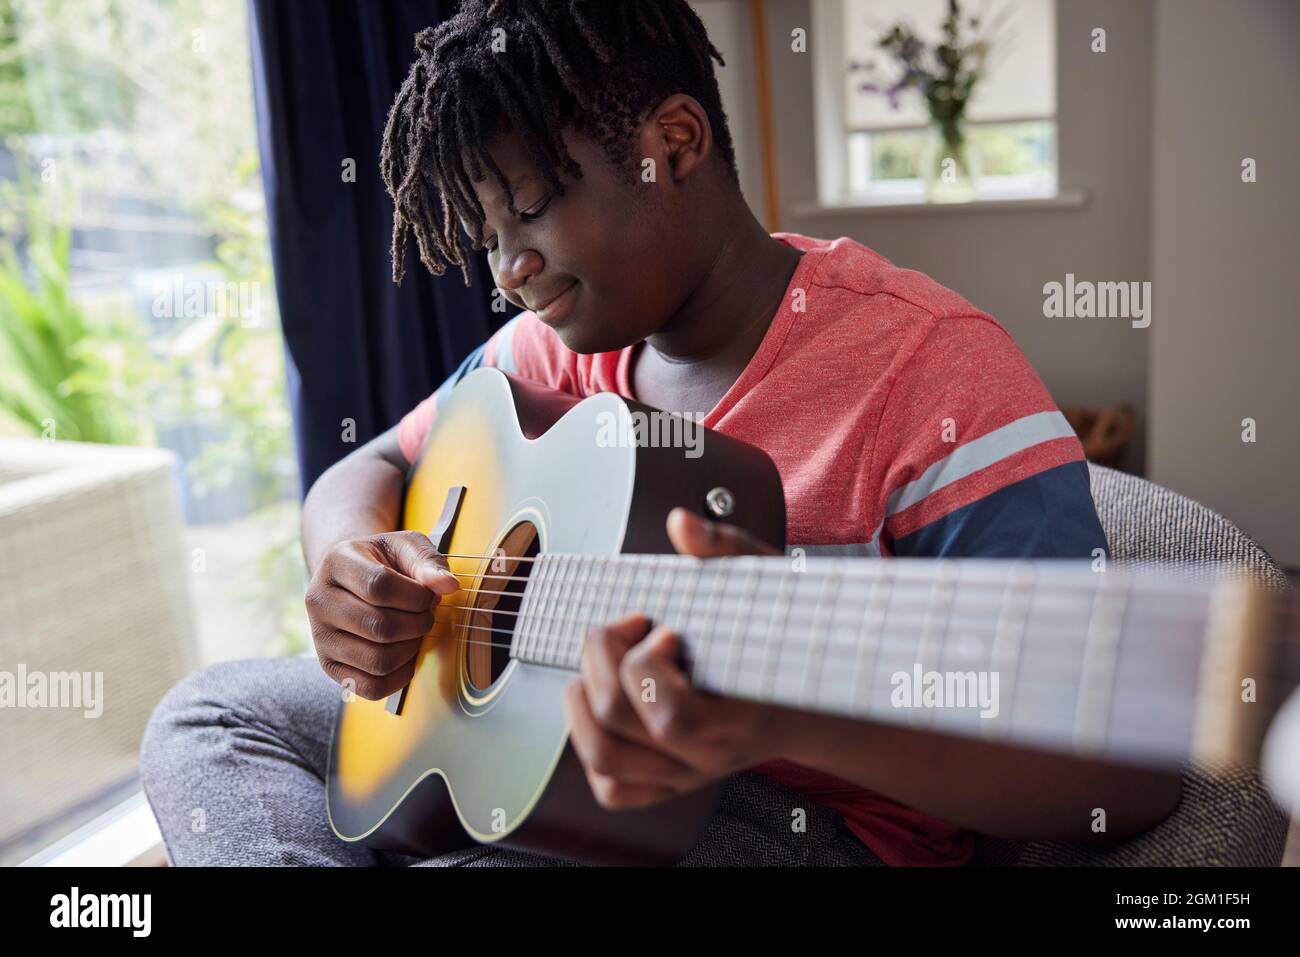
{"x": 370, "y": 604}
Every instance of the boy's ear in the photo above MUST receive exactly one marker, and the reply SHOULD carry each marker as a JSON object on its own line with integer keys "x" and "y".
{"x": 677, "y": 136}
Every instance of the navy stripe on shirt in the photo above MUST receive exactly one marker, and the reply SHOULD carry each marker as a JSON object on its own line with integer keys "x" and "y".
{"x": 1048, "y": 515}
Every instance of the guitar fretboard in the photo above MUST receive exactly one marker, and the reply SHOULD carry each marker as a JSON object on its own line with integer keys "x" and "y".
{"x": 1042, "y": 653}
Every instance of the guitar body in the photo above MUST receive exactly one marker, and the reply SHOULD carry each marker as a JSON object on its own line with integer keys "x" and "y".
{"x": 479, "y": 750}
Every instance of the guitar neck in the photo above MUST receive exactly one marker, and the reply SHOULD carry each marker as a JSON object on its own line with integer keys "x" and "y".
{"x": 1143, "y": 666}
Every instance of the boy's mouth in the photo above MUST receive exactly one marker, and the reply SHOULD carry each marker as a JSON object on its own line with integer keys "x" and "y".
{"x": 556, "y": 309}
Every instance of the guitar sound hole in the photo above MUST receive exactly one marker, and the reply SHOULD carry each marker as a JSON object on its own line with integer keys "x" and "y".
{"x": 496, "y": 607}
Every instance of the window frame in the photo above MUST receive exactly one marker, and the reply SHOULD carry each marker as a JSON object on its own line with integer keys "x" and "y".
{"x": 832, "y": 134}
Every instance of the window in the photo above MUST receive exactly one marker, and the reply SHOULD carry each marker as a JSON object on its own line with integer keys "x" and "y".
{"x": 871, "y": 152}
{"x": 133, "y": 246}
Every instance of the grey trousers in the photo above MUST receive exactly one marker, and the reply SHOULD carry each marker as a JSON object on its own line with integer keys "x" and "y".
{"x": 233, "y": 764}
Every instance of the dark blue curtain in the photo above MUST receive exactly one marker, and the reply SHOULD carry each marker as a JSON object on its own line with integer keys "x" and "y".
{"x": 325, "y": 73}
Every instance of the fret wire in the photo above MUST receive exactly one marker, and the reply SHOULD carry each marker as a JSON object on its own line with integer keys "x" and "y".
{"x": 565, "y": 619}
{"x": 720, "y": 574}
{"x": 614, "y": 569}
{"x": 750, "y": 582}
{"x": 644, "y": 595}
{"x": 583, "y": 623}
{"x": 627, "y": 574}
{"x": 1092, "y": 707}
{"x": 595, "y": 603}
{"x": 561, "y": 605}
{"x": 682, "y": 619}
{"x": 666, "y": 590}
{"x": 519, "y": 620}
{"x": 870, "y": 639}
{"x": 608, "y": 582}
{"x": 546, "y": 605}
{"x": 545, "y": 574}
{"x": 687, "y": 642}
{"x": 519, "y": 639}
{"x": 564, "y": 590}
{"x": 1053, "y": 640}
{"x": 830, "y": 590}
{"x": 602, "y": 616}
{"x": 649, "y": 567}
{"x": 581, "y": 608}
{"x": 1008, "y": 641}
{"x": 775, "y": 632}
{"x": 568, "y": 606}
{"x": 933, "y": 632}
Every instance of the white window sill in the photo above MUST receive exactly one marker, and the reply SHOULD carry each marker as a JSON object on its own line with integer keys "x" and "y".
{"x": 124, "y": 836}
{"x": 993, "y": 202}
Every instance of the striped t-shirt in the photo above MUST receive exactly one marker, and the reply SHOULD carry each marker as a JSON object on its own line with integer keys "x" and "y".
{"x": 903, "y": 422}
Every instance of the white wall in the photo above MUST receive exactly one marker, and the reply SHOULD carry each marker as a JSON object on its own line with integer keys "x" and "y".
{"x": 1226, "y": 262}
{"x": 1154, "y": 129}
{"x": 729, "y": 28}
{"x": 999, "y": 260}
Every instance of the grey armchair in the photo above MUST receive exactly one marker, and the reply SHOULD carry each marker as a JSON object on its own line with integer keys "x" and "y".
{"x": 1226, "y": 816}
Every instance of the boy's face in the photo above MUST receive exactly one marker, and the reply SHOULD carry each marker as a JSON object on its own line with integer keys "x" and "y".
{"x": 605, "y": 265}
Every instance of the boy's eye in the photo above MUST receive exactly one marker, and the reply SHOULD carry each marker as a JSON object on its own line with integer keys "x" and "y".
{"x": 528, "y": 215}
{"x": 535, "y": 211}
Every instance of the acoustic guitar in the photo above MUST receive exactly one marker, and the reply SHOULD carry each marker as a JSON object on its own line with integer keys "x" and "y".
{"x": 551, "y": 512}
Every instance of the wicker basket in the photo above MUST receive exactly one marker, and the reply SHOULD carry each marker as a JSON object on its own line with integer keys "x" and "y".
{"x": 1104, "y": 433}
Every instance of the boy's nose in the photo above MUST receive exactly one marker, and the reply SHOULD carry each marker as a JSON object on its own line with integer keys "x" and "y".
{"x": 515, "y": 269}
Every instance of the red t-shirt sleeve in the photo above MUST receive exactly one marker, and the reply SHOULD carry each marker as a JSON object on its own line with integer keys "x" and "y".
{"x": 966, "y": 417}
{"x": 523, "y": 346}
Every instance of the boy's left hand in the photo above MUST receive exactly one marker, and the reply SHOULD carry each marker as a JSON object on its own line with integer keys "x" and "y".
{"x": 642, "y": 732}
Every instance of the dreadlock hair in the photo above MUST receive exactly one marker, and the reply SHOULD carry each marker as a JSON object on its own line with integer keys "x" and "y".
{"x": 536, "y": 67}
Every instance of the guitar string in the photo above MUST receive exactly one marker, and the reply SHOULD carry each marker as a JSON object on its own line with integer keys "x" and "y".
{"x": 1147, "y": 585}
{"x": 859, "y": 567}
{"x": 854, "y": 608}
{"x": 831, "y": 649}
{"x": 850, "y": 605}
{"x": 1286, "y": 607}
{"x": 852, "y": 612}
{"x": 836, "y": 643}
{"x": 851, "y": 561}
{"x": 1044, "y": 680}
{"x": 835, "y": 638}
{"x": 918, "y": 582}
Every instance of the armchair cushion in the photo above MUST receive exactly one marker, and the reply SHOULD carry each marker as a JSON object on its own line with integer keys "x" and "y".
{"x": 1226, "y": 815}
